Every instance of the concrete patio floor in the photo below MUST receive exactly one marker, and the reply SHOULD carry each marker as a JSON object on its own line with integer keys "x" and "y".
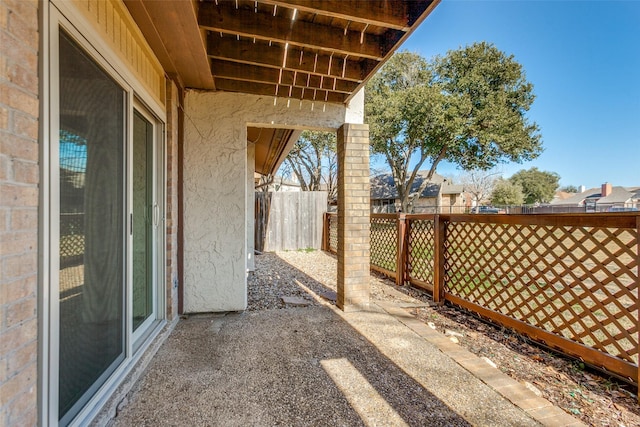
{"x": 318, "y": 366}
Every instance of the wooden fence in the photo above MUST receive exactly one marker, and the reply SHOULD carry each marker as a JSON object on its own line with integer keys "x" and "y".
{"x": 289, "y": 220}
{"x": 568, "y": 281}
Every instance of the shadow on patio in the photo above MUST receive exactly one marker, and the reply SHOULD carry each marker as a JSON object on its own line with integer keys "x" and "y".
{"x": 310, "y": 365}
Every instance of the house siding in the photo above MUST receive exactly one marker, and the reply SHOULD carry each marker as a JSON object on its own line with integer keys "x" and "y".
{"x": 19, "y": 179}
{"x": 111, "y": 20}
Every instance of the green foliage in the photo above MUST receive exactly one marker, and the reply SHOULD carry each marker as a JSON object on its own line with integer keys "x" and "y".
{"x": 570, "y": 189}
{"x": 467, "y": 107}
{"x": 507, "y": 193}
{"x": 537, "y": 186}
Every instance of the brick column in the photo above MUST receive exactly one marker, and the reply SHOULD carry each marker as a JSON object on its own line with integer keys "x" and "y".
{"x": 353, "y": 217}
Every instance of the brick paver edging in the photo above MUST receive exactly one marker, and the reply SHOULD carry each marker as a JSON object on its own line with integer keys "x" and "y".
{"x": 538, "y": 408}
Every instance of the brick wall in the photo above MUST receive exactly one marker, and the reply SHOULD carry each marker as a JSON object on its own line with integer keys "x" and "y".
{"x": 353, "y": 217}
{"x": 19, "y": 176}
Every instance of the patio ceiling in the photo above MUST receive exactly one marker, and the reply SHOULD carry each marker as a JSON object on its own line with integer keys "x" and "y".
{"x": 272, "y": 146}
{"x": 316, "y": 50}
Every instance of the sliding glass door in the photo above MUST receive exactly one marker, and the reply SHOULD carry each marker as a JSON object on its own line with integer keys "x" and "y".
{"x": 146, "y": 218}
{"x": 92, "y": 227}
{"x": 110, "y": 185}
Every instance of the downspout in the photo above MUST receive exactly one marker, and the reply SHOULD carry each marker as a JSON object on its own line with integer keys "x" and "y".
{"x": 180, "y": 190}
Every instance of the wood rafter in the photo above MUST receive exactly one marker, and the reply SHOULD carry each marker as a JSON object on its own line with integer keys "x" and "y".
{"x": 318, "y": 50}
{"x": 277, "y": 90}
{"x": 393, "y": 15}
{"x": 247, "y": 23}
{"x": 247, "y": 52}
{"x": 255, "y": 73}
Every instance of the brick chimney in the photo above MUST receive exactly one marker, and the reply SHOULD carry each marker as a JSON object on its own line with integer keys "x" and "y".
{"x": 606, "y": 190}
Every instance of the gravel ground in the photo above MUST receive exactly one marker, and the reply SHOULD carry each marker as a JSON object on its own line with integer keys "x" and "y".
{"x": 314, "y": 269}
{"x": 595, "y": 398}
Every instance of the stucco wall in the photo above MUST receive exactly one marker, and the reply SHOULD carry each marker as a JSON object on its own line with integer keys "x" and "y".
{"x": 215, "y": 186}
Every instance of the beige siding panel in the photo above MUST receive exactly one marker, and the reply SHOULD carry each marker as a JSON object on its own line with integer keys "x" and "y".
{"x": 113, "y": 22}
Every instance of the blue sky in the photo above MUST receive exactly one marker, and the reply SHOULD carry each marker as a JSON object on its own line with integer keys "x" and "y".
{"x": 583, "y": 58}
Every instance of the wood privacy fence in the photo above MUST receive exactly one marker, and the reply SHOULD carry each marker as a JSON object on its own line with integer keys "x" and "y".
{"x": 568, "y": 281}
{"x": 289, "y": 220}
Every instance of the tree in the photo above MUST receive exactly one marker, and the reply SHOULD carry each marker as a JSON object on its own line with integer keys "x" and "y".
{"x": 537, "y": 186}
{"x": 570, "y": 189}
{"x": 506, "y": 193}
{"x": 467, "y": 107}
{"x": 479, "y": 184}
{"x": 313, "y": 162}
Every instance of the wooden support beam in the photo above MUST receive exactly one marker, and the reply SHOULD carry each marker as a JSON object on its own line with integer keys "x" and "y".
{"x": 281, "y": 91}
{"x": 381, "y": 13}
{"x": 247, "y": 23}
{"x": 261, "y": 53}
{"x": 255, "y": 73}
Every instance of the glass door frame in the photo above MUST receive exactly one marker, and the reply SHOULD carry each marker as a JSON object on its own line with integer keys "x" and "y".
{"x": 158, "y": 166}
{"x": 57, "y": 16}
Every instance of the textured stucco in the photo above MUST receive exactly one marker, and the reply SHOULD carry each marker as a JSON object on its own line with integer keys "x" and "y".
{"x": 215, "y": 186}
{"x": 355, "y": 111}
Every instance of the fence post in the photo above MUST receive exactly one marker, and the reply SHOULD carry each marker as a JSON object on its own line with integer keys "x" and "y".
{"x": 400, "y": 259}
{"x": 407, "y": 249}
{"x": 438, "y": 259}
{"x": 638, "y": 289}
{"x": 326, "y": 221}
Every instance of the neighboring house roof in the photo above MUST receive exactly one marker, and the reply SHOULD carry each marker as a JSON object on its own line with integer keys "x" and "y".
{"x": 448, "y": 188}
{"x": 618, "y": 195}
{"x": 562, "y": 195}
{"x": 635, "y": 191}
{"x": 382, "y": 186}
{"x": 578, "y": 199}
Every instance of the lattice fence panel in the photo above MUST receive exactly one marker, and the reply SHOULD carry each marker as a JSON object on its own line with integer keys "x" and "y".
{"x": 384, "y": 243}
{"x": 574, "y": 281}
{"x": 421, "y": 250}
{"x": 71, "y": 239}
{"x": 333, "y": 233}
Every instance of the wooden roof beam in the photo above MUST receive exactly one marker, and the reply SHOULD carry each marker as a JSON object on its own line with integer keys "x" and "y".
{"x": 247, "y": 23}
{"x": 381, "y": 13}
{"x": 255, "y": 73}
{"x": 297, "y": 60}
{"x": 280, "y": 91}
